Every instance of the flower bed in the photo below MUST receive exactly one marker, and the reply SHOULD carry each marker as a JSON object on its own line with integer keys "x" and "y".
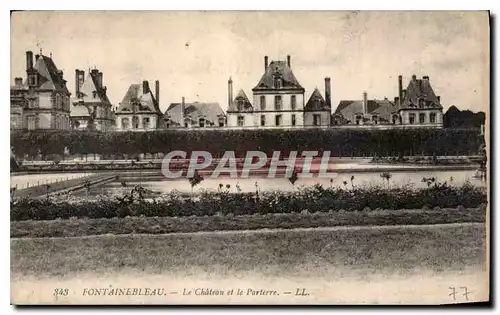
{"x": 314, "y": 199}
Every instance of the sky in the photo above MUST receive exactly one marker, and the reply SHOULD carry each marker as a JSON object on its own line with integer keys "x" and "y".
{"x": 193, "y": 54}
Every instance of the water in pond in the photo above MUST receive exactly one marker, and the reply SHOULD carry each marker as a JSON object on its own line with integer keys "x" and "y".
{"x": 269, "y": 184}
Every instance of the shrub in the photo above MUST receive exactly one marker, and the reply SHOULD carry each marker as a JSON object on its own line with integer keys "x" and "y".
{"x": 314, "y": 199}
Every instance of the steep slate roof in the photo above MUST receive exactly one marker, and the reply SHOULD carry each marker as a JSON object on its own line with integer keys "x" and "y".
{"x": 384, "y": 108}
{"x": 90, "y": 84}
{"x": 278, "y": 68}
{"x": 146, "y": 102}
{"x": 50, "y": 78}
{"x": 240, "y": 97}
{"x": 316, "y": 102}
{"x": 210, "y": 111}
{"x": 420, "y": 89}
{"x": 79, "y": 111}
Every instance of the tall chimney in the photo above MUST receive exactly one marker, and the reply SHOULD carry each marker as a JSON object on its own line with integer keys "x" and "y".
{"x": 230, "y": 91}
{"x": 183, "y": 123}
{"x": 266, "y": 59}
{"x": 400, "y": 88}
{"x": 145, "y": 87}
{"x": 99, "y": 79}
{"x": 157, "y": 91}
{"x": 365, "y": 103}
{"x": 29, "y": 60}
{"x": 328, "y": 92}
{"x": 288, "y": 60}
{"x": 77, "y": 83}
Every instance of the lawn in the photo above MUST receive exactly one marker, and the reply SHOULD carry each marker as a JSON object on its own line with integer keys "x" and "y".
{"x": 162, "y": 225}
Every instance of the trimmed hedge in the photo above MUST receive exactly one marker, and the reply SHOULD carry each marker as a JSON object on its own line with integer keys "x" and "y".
{"x": 340, "y": 142}
{"x": 312, "y": 199}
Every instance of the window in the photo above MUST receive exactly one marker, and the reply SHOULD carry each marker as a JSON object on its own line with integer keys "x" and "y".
{"x": 241, "y": 121}
{"x": 125, "y": 123}
{"x": 412, "y": 118}
{"x": 201, "y": 122}
{"x": 145, "y": 122}
{"x": 31, "y": 122}
{"x": 293, "y": 101}
{"x": 277, "y": 102}
{"x": 358, "y": 119}
{"x": 222, "y": 122}
{"x": 262, "y": 102}
{"x": 432, "y": 118}
{"x": 135, "y": 122}
{"x": 262, "y": 120}
{"x": 58, "y": 101}
{"x": 421, "y": 118}
{"x": 293, "y": 120}
{"x": 317, "y": 119}
{"x": 94, "y": 94}
{"x": 277, "y": 83}
{"x": 395, "y": 119}
{"x": 239, "y": 105}
{"x": 278, "y": 119}
{"x": 375, "y": 119}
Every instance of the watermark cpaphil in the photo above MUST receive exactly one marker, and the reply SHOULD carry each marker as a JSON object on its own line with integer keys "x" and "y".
{"x": 177, "y": 164}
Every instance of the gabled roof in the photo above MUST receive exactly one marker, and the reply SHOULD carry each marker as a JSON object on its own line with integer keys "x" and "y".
{"x": 91, "y": 84}
{"x": 145, "y": 102}
{"x": 417, "y": 91}
{"x": 316, "y": 102}
{"x": 241, "y": 98}
{"x": 281, "y": 69}
{"x": 50, "y": 78}
{"x": 210, "y": 111}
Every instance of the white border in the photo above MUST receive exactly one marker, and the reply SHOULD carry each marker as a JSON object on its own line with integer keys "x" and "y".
{"x": 186, "y": 5}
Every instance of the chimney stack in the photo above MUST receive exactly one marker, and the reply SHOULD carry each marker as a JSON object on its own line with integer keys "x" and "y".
{"x": 328, "y": 92}
{"x": 365, "y": 103}
{"x": 145, "y": 87}
{"x": 288, "y": 60}
{"x": 400, "y": 88}
{"x": 79, "y": 78}
{"x": 396, "y": 101}
{"x": 29, "y": 60}
{"x": 230, "y": 91}
{"x": 18, "y": 81}
{"x": 157, "y": 91}
{"x": 183, "y": 123}
{"x": 266, "y": 59}
{"x": 414, "y": 77}
{"x": 425, "y": 77}
{"x": 99, "y": 79}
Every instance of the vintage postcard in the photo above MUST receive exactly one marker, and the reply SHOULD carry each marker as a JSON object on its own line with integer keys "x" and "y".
{"x": 265, "y": 157}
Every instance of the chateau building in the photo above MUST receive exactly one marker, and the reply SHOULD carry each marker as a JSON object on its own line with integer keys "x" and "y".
{"x": 419, "y": 104}
{"x": 139, "y": 110}
{"x": 43, "y": 100}
{"x": 91, "y": 103}
{"x": 194, "y": 115}
{"x": 415, "y": 106}
{"x": 278, "y": 101}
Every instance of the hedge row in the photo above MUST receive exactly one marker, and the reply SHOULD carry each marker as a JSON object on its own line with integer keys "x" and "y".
{"x": 312, "y": 199}
{"x": 339, "y": 142}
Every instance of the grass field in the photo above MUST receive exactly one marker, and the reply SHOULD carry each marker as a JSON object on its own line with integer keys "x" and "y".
{"x": 162, "y": 225}
{"x": 410, "y": 264}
